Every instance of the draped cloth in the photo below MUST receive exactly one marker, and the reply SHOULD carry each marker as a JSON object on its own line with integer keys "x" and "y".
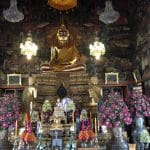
{"x": 65, "y": 58}
{"x": 64, "y": 55}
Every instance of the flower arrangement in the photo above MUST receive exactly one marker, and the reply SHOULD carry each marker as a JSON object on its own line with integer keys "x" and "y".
{"x": 9, "y": 111}
{"x": 86, "y": 132}
{"x": 139, "y": 104}
{"x": 46, "y": 107}
{"x": 46, "y": 111}
{"x": 28, "y": 135}
{"x": 83, "y": 135}
{"x": 115, "y": 112}
{"x": 145, "y": 138}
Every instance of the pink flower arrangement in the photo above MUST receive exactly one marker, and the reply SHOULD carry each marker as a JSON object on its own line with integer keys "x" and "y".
{"x": 9, "y": 111}
{"x": 115, "y": 112}
{"x": 139, "y": 104}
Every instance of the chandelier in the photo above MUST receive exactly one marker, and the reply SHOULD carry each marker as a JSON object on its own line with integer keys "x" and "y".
{"x": 12, "y": 14}
{"x": 29, "y": 48}
{"x": 109, "y": 15}
{"x": 97, "y": 49}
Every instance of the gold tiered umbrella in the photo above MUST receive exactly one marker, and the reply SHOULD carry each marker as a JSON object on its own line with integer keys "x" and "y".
{"x": 62, "y": 4}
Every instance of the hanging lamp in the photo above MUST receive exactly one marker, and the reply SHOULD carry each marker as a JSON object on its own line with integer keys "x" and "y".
{"x": 109, "y": 15}
{"x": 97, "y": 49}
{"x": 12, "y": 14}
{"x": 28, "y": 47}
{"x": 62, "y": 4}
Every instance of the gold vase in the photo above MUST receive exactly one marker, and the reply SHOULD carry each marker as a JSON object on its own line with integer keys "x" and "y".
{"x": 132, "y": 146}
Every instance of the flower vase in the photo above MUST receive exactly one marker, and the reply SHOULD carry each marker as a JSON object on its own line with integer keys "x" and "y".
{"x": 140, "y": 134}
{"x": 41, "y": 144}
{"x": 84, "y": 144}
{"x": 22, "y": 145}
{"x": 117, "y": 142}
{"x": 91, "y": 143}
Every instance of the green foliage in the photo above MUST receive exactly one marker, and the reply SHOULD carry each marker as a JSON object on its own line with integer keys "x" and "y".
{"x": 145, "y": 138}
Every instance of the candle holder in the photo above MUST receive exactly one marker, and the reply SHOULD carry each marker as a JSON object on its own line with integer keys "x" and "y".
{"x": 72, "y": 143}
{"x": 41, "y": 145}
{"x": 96, "y": 142}
{"x": 16, "y": 143}
{"x": 21, "y": 145}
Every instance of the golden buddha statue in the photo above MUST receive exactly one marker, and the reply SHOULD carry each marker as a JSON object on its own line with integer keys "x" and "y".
{"x": 64, "y": 55}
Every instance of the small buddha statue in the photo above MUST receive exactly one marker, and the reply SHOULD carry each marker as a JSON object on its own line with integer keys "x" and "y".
{"x": 94, "y": 90}
{"x": 64, "y": 55}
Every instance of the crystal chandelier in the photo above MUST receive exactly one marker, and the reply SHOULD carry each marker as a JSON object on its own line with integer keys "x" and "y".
{"x": 97, "y": 49}
{"x": 29, "y": 48}
{"x": 109, "y": 15}
{"x": 12, "y": 14}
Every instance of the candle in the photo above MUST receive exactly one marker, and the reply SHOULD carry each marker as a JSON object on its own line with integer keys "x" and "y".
{"x": 101, "y": 92}
{"x": 16, "y": 128}
{"x": 31, "y": 107}
{"x": 90, "y": 117}
{"x": 92, "y": 124}
{"x": 98, "y": 125}
{"x": 95, "y": 126}
{"x": 73, "y": 118}
{"x": 72, "y": 127}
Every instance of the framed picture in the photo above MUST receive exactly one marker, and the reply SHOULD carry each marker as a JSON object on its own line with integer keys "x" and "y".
{"x": 13, "y": 79}
{"x": 111, "y": 78}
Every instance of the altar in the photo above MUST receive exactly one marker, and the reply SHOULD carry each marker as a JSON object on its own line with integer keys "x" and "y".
{"x": 76, "y": 84}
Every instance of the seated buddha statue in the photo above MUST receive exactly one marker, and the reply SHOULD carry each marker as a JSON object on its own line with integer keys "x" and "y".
{"x": 65, "y": 56}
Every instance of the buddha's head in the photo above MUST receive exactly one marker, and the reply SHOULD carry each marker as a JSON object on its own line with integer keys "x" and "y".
{"x": 63, "y": 34}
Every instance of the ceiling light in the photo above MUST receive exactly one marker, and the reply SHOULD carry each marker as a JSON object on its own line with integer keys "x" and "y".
{"x": 62, "y": 4}
{"x": 29, "y": 48}
{"x": 97, "y": 49}
{"x": 12, "y": 14}
{"x": 109, "y": 15}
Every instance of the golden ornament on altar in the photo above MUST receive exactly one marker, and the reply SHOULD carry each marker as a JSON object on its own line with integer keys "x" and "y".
{"x": 57, "y": 117}
{"x": 62, "y": 4}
